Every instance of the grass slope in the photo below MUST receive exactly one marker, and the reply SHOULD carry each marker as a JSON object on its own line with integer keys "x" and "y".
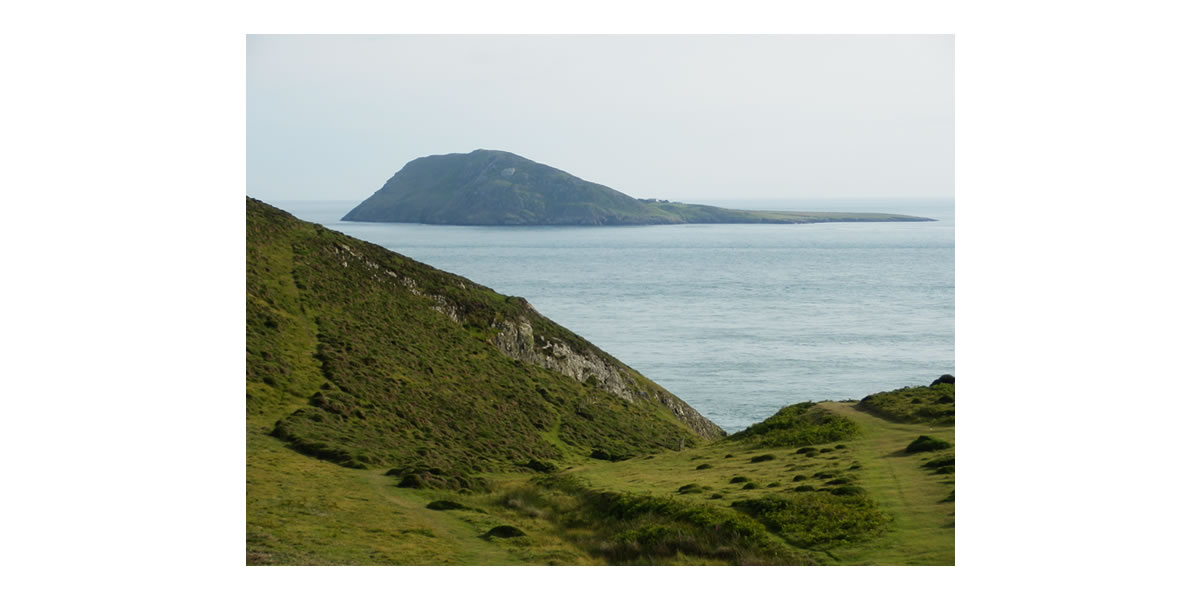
{"x": 491, "y": 187}
{"x": 933, "y": 403}
{"x": 369, "y": 359}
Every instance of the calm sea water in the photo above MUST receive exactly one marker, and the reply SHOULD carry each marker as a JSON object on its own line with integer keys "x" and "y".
{"x": 737, "y": 320}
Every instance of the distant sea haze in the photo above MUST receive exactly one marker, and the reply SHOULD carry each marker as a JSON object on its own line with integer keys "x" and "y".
{"x": 737, "y": 320}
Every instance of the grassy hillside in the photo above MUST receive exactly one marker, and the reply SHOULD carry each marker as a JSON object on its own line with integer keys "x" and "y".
{"x": 365, "y": 358}
{"x": 397, "y": 414}
{"x": 933, "y": 403}
{"x": 490, "y": 187}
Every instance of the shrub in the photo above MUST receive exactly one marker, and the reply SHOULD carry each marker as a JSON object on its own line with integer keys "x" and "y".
{"x": 703, "y": 466}
{"x": 925, "y": 443}
{"x": 848, "y": 490}
{"x": 540, "y": 466}
{"x": 445, "y": 505}
{"x": 750, "y": 486}
{"x": 739, "y": 479}
{"x": 935, "y": 463}
{"x": 800, "y": 478}
{"x": 691, "y": 488}
{"x": 762, "y": 458}
{"x": 839, "y": 446}
{"x": 773, "y": 484}
{"x": 803, "y": 488}
{"x": 825, "y": 475}
{"x": 503, "y": 531}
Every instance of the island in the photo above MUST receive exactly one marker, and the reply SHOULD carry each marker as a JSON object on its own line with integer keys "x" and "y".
{"x": 492, "y": 187}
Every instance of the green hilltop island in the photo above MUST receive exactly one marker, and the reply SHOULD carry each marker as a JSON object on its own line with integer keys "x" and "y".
{"x": 401, "y": 415}
{"x": 491, "y": 187}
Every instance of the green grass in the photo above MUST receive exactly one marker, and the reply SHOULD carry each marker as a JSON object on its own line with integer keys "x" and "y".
{"x": 384, "y": 427}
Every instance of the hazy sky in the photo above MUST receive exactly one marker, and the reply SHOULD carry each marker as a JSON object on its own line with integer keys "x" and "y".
{"x": 677, "y": 117}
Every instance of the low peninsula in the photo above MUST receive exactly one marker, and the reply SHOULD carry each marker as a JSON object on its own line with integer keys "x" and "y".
{"x": 492, "y": 187}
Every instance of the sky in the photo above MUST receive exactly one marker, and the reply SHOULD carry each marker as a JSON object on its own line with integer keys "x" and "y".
{"x": 332, "y": 117}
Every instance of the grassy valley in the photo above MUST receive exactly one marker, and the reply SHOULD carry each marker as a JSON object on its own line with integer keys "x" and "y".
{"x": 397, "y": 414}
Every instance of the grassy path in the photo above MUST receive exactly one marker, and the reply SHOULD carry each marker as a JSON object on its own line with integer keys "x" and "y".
{"x": 923, "y": 532}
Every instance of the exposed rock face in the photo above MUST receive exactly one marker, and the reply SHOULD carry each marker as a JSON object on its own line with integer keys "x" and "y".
{"x": 587, "y": 364}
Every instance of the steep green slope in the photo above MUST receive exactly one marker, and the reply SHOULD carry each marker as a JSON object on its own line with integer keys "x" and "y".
{"x": 490, "y": 187}
{"x": 366, "y": 358}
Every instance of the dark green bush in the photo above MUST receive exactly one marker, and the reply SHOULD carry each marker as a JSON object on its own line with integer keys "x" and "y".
{"x": 504, "y": 531}
{"x": 445, "y": 505}
{"x": 703, "y": 466}
{"x": 848, "y": 490}
{"x": 739, "y": 479}
{"x": 750, "y": 486}
{"x": 540, "y": 466}
{"x": 762, "y": 458}
{"x": 925, "y": 443}
{"x": 800, "y": 478}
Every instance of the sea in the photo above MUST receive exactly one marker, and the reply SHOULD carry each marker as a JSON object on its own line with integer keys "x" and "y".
{"x": 737, "y": 320}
